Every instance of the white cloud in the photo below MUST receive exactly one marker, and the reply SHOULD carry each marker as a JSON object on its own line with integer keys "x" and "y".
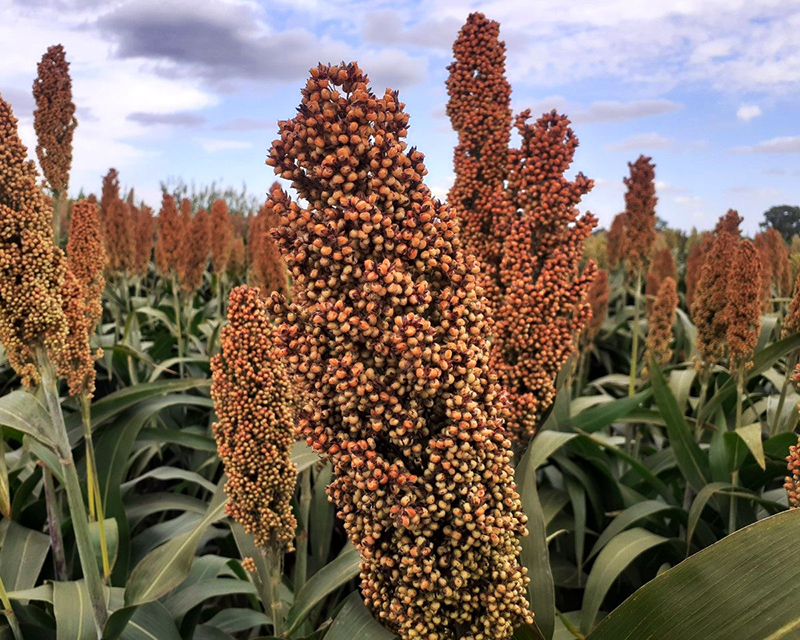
{"x": 747, "y": 112}
{"x": 613, "y": 111}
{"x": 783, "y": 144}
{"x": 643, "y": 141}
{"x": 214, "y": 145}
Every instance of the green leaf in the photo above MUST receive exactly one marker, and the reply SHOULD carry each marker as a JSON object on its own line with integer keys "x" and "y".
{"x": 529, "y": 632}
{"x": 22, "y": 411}
{"x": 151, "y": 622}
{"x": 743, "y": 587}
{"x": 236, "y": 620}
{"x": 115, "y": 403}
{"x": 186, "y": 599}
{"x": 22, "y": 556}
{"x": 680, "y": 381}
{"x": 165, "y": 568}
{"x": 112, "y": 450}
{"x": 72, "y": 608}
{"x": 612, "y": 561}
{"x": 544, "y": 445}
{"x": 325, "y": 581}
{"x": 535, "y": 554}
{"x": 751, "y": 436}
{"x": 355, "y": 622}
{"x": 602, "y": 416}
{"x": 687, "y": 452}
{"x": 762, "y": 361}
{"x": 303, "y": 456}
{"x": 632, "y": 514}
{"x": 112, "y": 541}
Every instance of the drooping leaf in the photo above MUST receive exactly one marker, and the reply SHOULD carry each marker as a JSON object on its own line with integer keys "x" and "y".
{"x": 743, "y": 587}
{"x": 337, "y": 573}
{"x": 22, "y": 556}
{"x": 355, "y": 622}
{"x": 615, "y": 557}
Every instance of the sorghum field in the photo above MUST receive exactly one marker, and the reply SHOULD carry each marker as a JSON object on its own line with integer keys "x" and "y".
{"x": 354, "y": 412}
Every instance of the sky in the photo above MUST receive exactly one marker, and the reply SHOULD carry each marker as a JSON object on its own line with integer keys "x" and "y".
{"x": 710, "y": 89}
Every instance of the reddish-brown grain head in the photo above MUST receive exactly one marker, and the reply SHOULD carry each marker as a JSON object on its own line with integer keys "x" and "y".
{"x": 54, "y": 117}
{"x": 388, "y": 335}
{"x": 195, "y": 249}
{"x": 743, "y": 312}
{"x": 170, "y": 236}
{"x": 640, "y": 213}
{"x": 32, "y": 268}
{"x": 221, "y": 236}
{"x": 660, "y": 321}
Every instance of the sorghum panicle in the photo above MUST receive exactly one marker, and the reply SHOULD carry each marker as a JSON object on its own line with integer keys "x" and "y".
{"x": 662, "y": 267}
{"x": 660, "y": 321}
{"x": 543, "y": 306}
{"x": 479, "y": 108}
{"x": 237, "y": 264}
{"x": 640, "y": 213}
{"x": 120, "y": 238}
{"x": 195, "y": 248}
{"x": 792, "y": 484}
{"x": 616, "y": 244}
{"x": 32, "y": 267}
{"x": 170, "y": 234}
{"x": 267, "y": 268}
{"x": 743, "y": 312}
{"x": 256, "y": 406}
{"x": 109, "y": 194}
{"x": 791, "y": 323}
{"x": 597, "y": 299}
{"x": 711, "y": 293}
{"x": 518, "y": 216}
{"x": 221, "y": 236}
{"x": 694, "y": 266}
{"x": 143, "y": 240}
{"x": 54, "y": 117}
{"x": 776, "y": 271}
{"x": 387, "y": 333}
{"x": 83, "y": 289}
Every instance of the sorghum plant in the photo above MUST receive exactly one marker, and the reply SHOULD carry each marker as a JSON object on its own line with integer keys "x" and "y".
{"x": 170, "y": 234}
{"x": 792, "y": 484}
{"x": 615, "y": 248}
{"x": 660, "y": 321}
{"x": 195, "y": 249}
{"x": 694, "y": 266}
{"x": 518, "y": 215}
{"x": 267, "y": 269}
{"x": 143, "y": 239}
{"x": 33, "y": 324}
{"x": 109, "y": 194}
{"x": 387, "y": 333}
{"x": 221, "y": 236}
{"x": 743, "y": 311}
{"x": 775, "y": 266}
{"x": 54, "y": 123}
{"x": 711, "y": 293}
{"x": 662, "y": 266}
{"x": 256, "y": 405}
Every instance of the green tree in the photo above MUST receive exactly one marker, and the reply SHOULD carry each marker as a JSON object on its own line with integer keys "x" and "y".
{"x": 783, "y": 218}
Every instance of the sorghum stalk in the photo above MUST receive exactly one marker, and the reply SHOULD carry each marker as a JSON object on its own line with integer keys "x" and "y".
{"x": 93, "y": 482}
{"x": 54, "y": 526}
{"x": 301, "y": 541}
{"x": 8, "y": 612}
{"x": 635, "y": 338}
{"x": 80, "y": 522}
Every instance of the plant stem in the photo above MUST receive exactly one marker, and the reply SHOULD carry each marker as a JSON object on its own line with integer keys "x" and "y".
{"x": 635, "y": 340}
{"x": 54, "y": 526}
{"x": 80, "y": 523}
{"x": 704, "y": 379}
{"x": 790, "y": 365}
{"x": 569, "y": 626}
{"x": 275, "y": 562}
{"x": 732, "y": 511}
{"x": 93, "y": 482}
{"x": 176, "y": 300}
{"x": 301, "y": 555}
{"x": 9, "y": 612}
